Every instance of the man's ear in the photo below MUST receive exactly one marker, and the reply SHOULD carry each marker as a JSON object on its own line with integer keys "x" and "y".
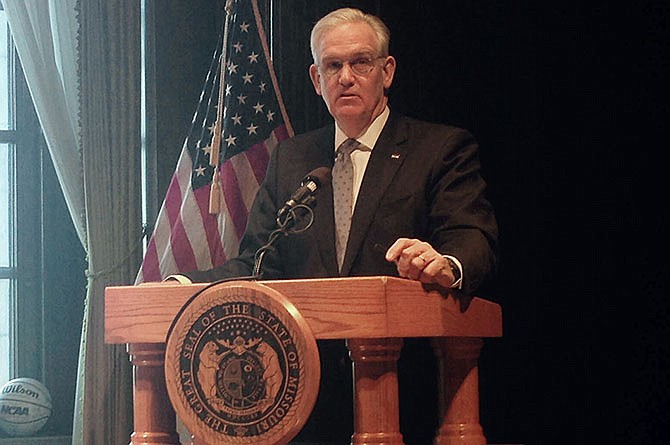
{"x": 315, "y": 76}
{"x": 388, "y": 71}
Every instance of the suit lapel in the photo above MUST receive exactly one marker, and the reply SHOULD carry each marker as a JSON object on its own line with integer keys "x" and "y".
{"x": 324, "y": 226}
{"x": 387, "y": 157}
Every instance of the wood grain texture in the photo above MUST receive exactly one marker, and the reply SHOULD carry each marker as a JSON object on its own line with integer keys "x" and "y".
{"x": 359, "y": 307}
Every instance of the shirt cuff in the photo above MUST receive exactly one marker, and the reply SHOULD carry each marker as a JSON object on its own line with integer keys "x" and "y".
{"x": 458, "y": 284}
{"x": 181, "y": 279}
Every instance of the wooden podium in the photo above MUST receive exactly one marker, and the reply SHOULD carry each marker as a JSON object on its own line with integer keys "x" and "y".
{"x": 372, "y": 313}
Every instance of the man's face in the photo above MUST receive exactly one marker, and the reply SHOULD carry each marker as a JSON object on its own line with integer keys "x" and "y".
{"x": 353, "y": 99}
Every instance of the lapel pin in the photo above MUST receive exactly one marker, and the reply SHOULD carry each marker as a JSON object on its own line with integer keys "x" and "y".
{"x": 395, "y": 155}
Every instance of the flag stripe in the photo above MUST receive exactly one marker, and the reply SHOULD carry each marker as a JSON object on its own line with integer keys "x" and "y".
{"x": 250, "y": 182}
{"x": 161, "y": 238}
{"x": 210, "y": 239}
{"x": 233, "y": 197}
{"x": 230, "y": 239}
{"x": 149, "y": 270}
{"x": 194, "y": 228}
{"x": 258, "y": 157}
{"x": 185, "y": 259}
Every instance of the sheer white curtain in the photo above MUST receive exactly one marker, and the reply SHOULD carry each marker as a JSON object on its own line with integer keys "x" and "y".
{"x": 82, "y": 65}
{"x": 45, "y": 35}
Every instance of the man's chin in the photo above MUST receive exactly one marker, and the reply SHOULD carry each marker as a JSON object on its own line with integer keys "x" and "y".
{"x": 349, "y": 113}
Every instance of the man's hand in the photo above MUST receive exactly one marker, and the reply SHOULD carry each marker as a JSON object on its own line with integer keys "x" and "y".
{"x": 418, "y": 260}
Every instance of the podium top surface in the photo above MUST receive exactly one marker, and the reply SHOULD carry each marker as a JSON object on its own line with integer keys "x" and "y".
{"x": 356, "y": 307}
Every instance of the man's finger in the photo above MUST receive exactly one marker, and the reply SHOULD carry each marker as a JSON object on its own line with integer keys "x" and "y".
{"x": 394, "y": 252}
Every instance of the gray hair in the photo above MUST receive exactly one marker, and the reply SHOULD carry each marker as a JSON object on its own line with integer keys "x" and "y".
{"x": 350, "y": 15}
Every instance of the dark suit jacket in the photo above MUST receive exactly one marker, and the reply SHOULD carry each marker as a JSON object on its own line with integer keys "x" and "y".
{"x": 422, "y": 181}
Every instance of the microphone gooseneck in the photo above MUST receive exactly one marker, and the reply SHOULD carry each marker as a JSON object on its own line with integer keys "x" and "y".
{"x": 298, "y": 207}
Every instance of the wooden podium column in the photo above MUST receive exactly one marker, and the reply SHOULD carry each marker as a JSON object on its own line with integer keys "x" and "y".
{"x": 376, "y": 407}
{"x": 459, "y": 387}
{"x": 155, "y": 420}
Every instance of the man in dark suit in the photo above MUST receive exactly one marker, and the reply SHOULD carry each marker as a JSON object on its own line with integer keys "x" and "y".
{"x": 415, "y": 197}
{"x": 418, "y": 193}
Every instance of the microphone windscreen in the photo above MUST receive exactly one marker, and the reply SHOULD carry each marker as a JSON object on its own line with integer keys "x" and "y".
{"x": 320, "y": 175}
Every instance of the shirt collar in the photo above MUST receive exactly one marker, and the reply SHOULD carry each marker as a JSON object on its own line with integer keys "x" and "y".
{"x": 369, "y": 136}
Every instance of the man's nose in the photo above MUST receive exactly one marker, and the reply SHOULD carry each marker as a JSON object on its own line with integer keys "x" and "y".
{"x": 346, "y": 75}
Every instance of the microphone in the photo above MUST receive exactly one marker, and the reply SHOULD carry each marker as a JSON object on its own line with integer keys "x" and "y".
{"x": 308, "y": 187}
{"x": 286, "y": 216}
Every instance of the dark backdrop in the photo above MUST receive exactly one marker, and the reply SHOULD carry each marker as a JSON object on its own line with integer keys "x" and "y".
{"x": 567, "y": 103}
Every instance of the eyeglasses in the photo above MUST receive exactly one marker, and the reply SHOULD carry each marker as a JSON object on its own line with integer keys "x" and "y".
{"x": 360, "y": 65}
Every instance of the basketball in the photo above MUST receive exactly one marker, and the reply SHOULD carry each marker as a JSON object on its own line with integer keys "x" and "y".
{"x": 25, "y": 406}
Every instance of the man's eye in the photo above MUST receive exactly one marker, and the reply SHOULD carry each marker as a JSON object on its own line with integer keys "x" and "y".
{"x": 334, "y": 65}
{"x": 360, "y": 63}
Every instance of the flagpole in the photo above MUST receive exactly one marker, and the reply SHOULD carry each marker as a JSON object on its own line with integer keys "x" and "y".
{"x": 215, "y": 186}
{"x": 273, "y": 76}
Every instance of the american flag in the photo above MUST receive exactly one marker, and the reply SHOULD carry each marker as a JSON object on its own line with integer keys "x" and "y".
{"x": 186, "y": 235}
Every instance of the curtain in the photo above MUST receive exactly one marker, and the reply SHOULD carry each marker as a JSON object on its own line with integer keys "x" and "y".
{"x": 110, "y": 136}
{"x": 82, "y": 65}
{"x": 45, "y": 35}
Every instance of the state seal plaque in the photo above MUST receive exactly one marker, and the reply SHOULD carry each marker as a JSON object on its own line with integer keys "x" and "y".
{"x": 241, "y": 365}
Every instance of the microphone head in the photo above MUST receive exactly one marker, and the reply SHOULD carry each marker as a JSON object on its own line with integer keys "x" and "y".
{"x": 319, "y": 176}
